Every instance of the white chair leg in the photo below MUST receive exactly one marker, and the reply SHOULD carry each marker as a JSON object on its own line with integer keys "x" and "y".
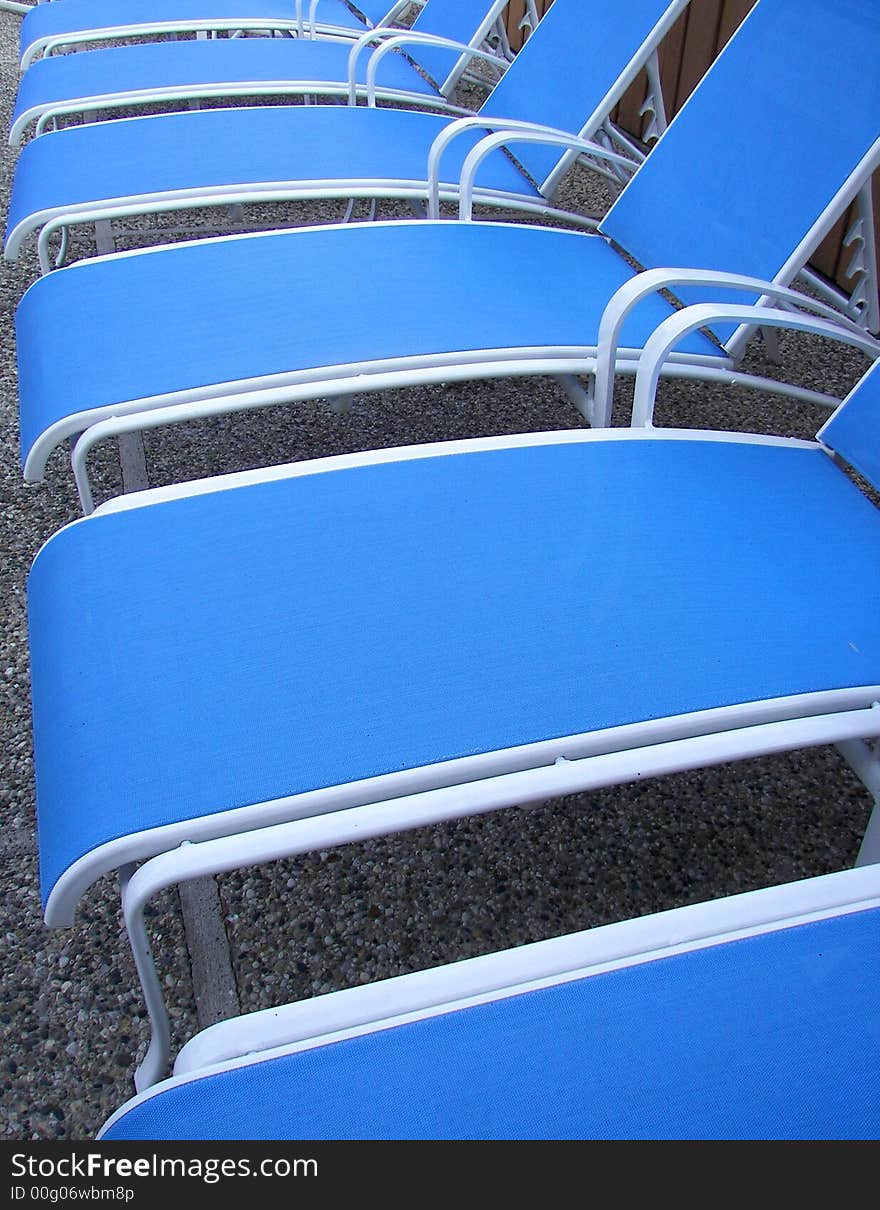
{"x": 863, "y": 756}
{"x": 770, "y": 338}
{"x": 869, "y": 852}
{"x": 133, "y": 462}
{"x": 578, "y": 394}
{"x": 154, "y": 1064}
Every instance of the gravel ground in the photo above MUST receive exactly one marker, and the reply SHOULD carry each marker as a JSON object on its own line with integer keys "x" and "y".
{"x": 71, "y": 1018}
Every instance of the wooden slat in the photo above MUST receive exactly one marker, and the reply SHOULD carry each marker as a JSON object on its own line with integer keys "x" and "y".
{"x": 514, "y": 15}
{"x": 831, "y": 257}
{"x": 699, "y": 49}
{"x": 627, "y": 113}
{"x": 670, "y": 54}
{"x": 732, "y": 15}
{"x": 515, "y": 11}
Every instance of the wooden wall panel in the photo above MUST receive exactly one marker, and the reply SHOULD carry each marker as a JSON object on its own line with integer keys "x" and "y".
{"x": 732, "y": 15}
{"x": 512, "y": 19}
{"x": 699, "y": 49}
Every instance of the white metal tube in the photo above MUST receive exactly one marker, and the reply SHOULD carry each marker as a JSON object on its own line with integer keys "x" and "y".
{"x": 475, "y": 798}
{"x": 672, "y": 330}
{"x": 651, "y": 281}
{"x": 369, "y": 38}
{"x": 736, "y": 378}
{"x": 521, "y": 132}
{"x": 526, "y": 967}
{"x": 433, "y": 806}
{"x": 415, "y": 38}
{"x": 317, "y": 388}
{"x": 654, "y": 102}
{"x": 478, "y": 122}
{"x": 48, "y": 46}
{"x": 267, "y": 191}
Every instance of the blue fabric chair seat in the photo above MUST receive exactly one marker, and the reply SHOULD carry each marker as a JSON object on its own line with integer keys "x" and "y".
{"x": 230, "y": 66}
{"x": 772, "y": 1037}
{"x": 78, "y": 16}
{"x": 165, "y": 153}
{"x": 177, "y": 318}
{"x": 46, "y": 21}
{"x": 239, "y": 646}
{"x": 567, "y": 75}
{"x": 192, "y": 64}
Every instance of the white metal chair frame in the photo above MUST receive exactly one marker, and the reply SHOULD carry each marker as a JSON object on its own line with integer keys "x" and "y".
{"x": 50, "y": 46}
{"x": 597, "y": 363}
{"x": 599, "y": 144}
{"x": 849, "y": 718}
{"x": 300, "y": 25}
{"x": 471, "y": 980}
{"x": 372, "y": 39}
{"x": 862, "y": 304}
{"x": 601, "y": 363}
{"x": 355, "y": 1011}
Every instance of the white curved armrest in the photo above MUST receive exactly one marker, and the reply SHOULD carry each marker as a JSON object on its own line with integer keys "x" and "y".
{"x": 371, "y": 37}
{"x": 651, "y": 281}
{"x": 501, "y": 131}
{"x": 671, "y": 330}
{"x": 546, "y": 135}
{"x": 416, "y": 38}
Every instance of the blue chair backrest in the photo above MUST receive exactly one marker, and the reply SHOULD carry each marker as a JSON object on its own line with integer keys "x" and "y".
{"x": 782, "y": 119}
{"x": 570, "y": 64}
{"x": 853, "y": 431}
{"x": 467, "y": 21}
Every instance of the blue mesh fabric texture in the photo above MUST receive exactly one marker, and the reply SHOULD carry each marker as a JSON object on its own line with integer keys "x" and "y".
{"x": 253, "y": 145}
{"x": 189, "y": 63}
{"x": 854, "y": 429}
{"x": 200, "y": 151}
{"x": 240, "y": 646}
{"x": 81, "y": 15}
{"x": 774, "y": 1037}
{"x": 778, "y": 151}
{"x": 189, "y": 317}
{"x": 580, "y": 49}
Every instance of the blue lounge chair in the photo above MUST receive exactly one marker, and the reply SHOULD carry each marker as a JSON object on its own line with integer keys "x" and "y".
{"x": 47, "y": 28}
{"x": 158, "y": 74}
{"x": 570, "y": 74}
{"x": 752, "y": 1017}
{"x": 246, "y": 658}
{"x": 228, "y": 314}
